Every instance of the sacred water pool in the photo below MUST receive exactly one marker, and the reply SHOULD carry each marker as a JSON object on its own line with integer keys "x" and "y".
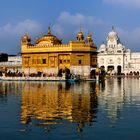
{"x": 60, "y": 110}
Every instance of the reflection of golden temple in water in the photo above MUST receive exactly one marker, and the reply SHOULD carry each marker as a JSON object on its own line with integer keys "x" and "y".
{"x": 50, "y": 103}
{"x": 46, "y": 103}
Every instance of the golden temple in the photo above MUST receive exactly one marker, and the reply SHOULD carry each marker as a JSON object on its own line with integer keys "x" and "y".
{"x": 48, "y": 56}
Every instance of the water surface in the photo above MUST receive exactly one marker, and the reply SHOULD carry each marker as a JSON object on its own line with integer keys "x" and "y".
{"x": 59, "y": 110}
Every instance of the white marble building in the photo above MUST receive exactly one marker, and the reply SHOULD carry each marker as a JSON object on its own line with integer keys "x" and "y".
{"x": 13, "y": 64}
{"x": 116, "y": 59}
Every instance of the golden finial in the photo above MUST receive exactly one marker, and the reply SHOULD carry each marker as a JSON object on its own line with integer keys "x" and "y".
{"x": 49, "y": 29}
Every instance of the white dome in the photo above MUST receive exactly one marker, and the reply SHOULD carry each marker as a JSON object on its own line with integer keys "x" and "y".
{"x": 120, "y": 45}
{"x": 128, "y": 50}
{"x": 103, "y": 47}
{"x": 112, "y": 34}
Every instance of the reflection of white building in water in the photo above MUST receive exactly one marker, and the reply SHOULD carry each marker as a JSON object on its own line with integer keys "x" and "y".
{"x": 116, "y": 59}
{"x": 118, "y": 94}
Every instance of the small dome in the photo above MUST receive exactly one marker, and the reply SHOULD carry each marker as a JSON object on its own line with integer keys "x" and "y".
{"x": 120, "y": 45}
{"x": 80, "y": 36}
{"x": 128, "y": 50}
{"x": 112, "y": 35}
{"x": 80, "y": 33}
{"x": 25, "y": 39}
{"x": 103, "y": 46}
{"x": 89, "y": 38}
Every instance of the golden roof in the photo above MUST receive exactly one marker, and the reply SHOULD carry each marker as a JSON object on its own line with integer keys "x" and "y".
{"x": 48, "y": 38}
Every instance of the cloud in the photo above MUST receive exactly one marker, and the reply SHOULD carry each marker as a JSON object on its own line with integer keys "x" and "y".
{"x": 26, "y": 26}
{"x": 78, "y": 19}
{"x": 131, "y": 38}
{"x": 127, "y": 3}
{"x": 68, "y": 25}
{"x": 58, "y": 29}
{"x": 10, "y": 34}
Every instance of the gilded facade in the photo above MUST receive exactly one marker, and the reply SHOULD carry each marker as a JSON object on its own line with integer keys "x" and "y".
{"x": 49, "y": 56}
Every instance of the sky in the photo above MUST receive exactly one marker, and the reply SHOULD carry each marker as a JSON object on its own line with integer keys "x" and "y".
{"x": 67, "y": 18}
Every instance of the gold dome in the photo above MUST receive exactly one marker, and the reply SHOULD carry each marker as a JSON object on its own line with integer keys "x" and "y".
{"x": 25, "y": 39}
{"x": 80, "y": 36}
{"x": 49, "y": 38}
{"x": 89, "y": 38}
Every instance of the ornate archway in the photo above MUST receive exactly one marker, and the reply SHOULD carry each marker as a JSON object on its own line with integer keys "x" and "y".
{"x": 110, "y": 69}
{"x": 66, "y": 71}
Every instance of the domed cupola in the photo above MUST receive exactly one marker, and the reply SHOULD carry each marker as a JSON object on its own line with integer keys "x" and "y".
{"x": 102, "y": 47}
{"x": 80, "y": 36}
{"x": 89, "y": 38}
{"x": 48, "y": 39}
{"x": 112, "y": 35}
{"x": 120, "y": 46}
{"x": 25, "y": 40}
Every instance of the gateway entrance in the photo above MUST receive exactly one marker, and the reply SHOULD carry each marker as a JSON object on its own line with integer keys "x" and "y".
{"x": 110, "y": 69}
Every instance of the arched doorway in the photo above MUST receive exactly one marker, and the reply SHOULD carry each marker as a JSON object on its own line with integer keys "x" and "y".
{"x": 65, "y": 71}
{"x": 119, "y": 69}
{"x": 110, "y": 69}
{"x": 39, "y": 73}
